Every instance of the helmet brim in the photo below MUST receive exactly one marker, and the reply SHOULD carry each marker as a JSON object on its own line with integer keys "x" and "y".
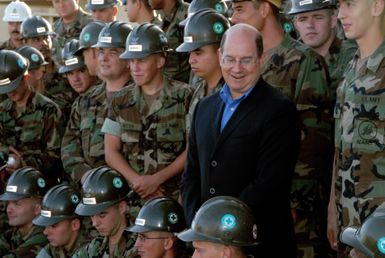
{"x": 93, "y": 209}
{"x": 8, "y": 196}
{"x": 107, "y": 45}
{"x": 91, "y": 7}
{"x": 11, "y": 86}
{"x": 349, "y": 237}
{"x": 66, "y": 69}
{"x": 44, "y": 221}
{"x": 134, "y": 55}
{"x": 188, "y": 47}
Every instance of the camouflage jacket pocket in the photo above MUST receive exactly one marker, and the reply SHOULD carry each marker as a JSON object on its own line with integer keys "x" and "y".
{"x": 368, "y": 136}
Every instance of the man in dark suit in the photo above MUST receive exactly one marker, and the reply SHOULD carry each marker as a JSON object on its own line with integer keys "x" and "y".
{"x": 244, "y": 143}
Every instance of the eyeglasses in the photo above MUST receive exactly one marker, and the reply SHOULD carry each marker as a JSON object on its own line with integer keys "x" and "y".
{"x": 143, "y": 238}
{"x": 245, "y": 62}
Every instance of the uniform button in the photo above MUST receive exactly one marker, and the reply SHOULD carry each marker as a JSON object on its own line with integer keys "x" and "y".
{"x": 212, "y": 190}
{"x": 214, "y": 163}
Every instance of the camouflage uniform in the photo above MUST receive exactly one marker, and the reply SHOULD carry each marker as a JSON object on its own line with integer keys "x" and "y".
{"x": 64, "y": 33}
{"x": 58, "y": 89}
{"x": 301, "y": 74}
{"x": 59, "y": 252}
{"x": 177, "y": 66}
{"x": 200, "y": 91}
{"x": 359, "y": 139}
{"x": 34, "y": 132}
{"x": 7, "y": 45}
{"x": 13, "y": 245}
{"x": 340, "y": 54}
{"x": 98, "y": 248}
{"x": 154, "y": 137}
{"x": 83, "y": 141}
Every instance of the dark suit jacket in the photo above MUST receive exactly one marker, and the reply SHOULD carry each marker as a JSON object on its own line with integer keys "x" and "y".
{"x": 252, "y": 159}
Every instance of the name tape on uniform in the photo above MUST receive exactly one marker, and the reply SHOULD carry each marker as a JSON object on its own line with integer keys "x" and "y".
{"x": 46, "y": 213}
{"x": 71, "y": 61}
{"x": 135, "y": 48}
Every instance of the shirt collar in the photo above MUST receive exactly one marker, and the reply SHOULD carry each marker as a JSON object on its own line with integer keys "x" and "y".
{"x": 226, "y": 95}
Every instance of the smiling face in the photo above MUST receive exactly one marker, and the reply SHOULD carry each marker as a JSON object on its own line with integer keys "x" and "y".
{"x": 240, "y": 61}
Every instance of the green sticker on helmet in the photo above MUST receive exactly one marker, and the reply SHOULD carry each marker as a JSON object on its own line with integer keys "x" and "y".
{"x": 287, "y": 27}
{"x": 173, "y": 218}
{"x": 117, "y": 182}
{"x": 34, "y": 57}
{"x": 219, "y": 7}
{"x": 41, "y": 182}
{"x": 86, "y": 37}
{"x": 218, "y": 28}
{"x": 74, "y": 199}
{"x": 20, "y": 63}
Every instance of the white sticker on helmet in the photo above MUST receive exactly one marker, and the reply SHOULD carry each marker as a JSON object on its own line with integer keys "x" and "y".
{"x": 305, "y": 2}
{"x": 135, "y": 48}
{"x": 15, "y": 15}
{"x": 5, "y": 81}
{"x": 45, "y": 213}
{"x": 140, "y": 222}
{"x": 106, "y": 39}
{"x": 97, "y": 2}
{"x": 89, "y": 200}
{"x": 188, "y": 39}
{"x": 11, "y": 188}
{"x": 71, "y": 61}
{"x": 41, "y": 30}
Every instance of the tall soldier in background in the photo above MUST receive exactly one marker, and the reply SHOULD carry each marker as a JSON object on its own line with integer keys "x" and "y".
{"x": 140, "y": 11}
{"x": 103, "y": 10}
{"x": 175, "y": 11}
{"x": 14, "y": 14}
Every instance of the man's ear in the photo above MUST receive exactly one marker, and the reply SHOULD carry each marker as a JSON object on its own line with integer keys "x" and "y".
{"x": 378, "y": 7}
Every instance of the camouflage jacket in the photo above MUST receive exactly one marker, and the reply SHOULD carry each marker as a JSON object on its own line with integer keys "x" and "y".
{"x": 83, "y": 141}
{"x": 359, "y": 139}
{"x": 341, "y": 52}
{"x": 177, "y": 66}
{"x": 98, "y": 248}
{"x": 58, "y": 89}
{"x": 33, "y": 131}
{"x": 50, "y": 251}
{"x": 13, "y": 245}
{"x": 64, "y": 33}
{"x": 200, "y": 91}
{"x": 301, "y": 74}
{"x": 151, "y": 140}
{"x": 8, "y": 45}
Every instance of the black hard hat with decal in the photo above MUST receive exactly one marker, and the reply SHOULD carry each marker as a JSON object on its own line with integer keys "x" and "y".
{"x": 36, "y": 26}
{"x": 24, "y": 183}
{"x": 71, "y": 61}
{"x": 113, "y": 35}
{"x": 102, "y": 188}
{"x": 301, "y": 6}
{"x": 195, "y": 6}
{"x": 13, "y": 68}
{"x": 58, "y": 204}
{"x": 89, "y": 35}
{"x": 224, "y": 220}
{"x": 33, "y": 55}
{"x": 160, "y": 214}
{"x": 100, "y": 4}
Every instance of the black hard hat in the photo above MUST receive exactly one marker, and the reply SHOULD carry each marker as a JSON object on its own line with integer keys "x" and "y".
{"x": 204, "y": 27}
{"x": 224, "y": 220}
{"x": 113, "y": 35}
{"x": 370, "y": 237}
{"x": 24, "y": 183}
{"x": 35, "y": 26}
{"x": 89, "y": 35}
{"x": 13, "y": 67}
{"x": 100, "y": 4}
{"x": 34, "y": 57}
{"x": 144, "y": 40}
{"x": 58, "y": 204}
{"x": 301, "y": 6}
{"x": 71, "y": 61}
{"x": 102, "y": 188}
{"x": 219, "y": 6}
{"x": 160, "y": 214}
